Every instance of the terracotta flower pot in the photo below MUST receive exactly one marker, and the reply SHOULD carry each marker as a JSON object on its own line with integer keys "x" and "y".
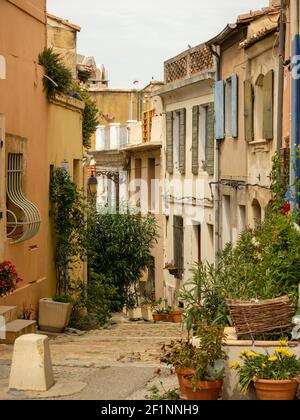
{"x": 156, "y": 317}
{"x": 177, "y": 317}
{"x": 267, "y": 389}
{"x": 202, "y": 390}
{"x": 181, "y": 373}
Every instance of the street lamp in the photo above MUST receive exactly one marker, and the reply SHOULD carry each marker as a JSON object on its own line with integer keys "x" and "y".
{"x": 92, "y": 185}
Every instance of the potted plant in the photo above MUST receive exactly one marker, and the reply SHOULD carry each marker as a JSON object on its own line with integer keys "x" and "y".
{"x": 275, "y": 377}
{"x": 177, "y": 315}
{"x": 132, "y": 306}
{"x": 148, "y": 306}
{"x": 9, "y": 278}
{"x": 200, "y": 369}
{"x": 171, "y": 267}
{"x": 55, "y": 314}
{"x": 158, "y": 315}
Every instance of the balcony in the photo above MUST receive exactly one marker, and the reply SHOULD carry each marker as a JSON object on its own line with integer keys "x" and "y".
{"x": 145, "y": 134}
{"x": 189, "y": 63}
{"x": 111, "y": 138}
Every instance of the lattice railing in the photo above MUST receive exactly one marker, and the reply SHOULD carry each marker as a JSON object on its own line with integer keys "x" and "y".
{"x": 189, "y": 63}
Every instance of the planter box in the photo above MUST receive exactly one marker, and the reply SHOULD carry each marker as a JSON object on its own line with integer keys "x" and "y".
{"x": 147, "y": 314}
{"x": 135, "y": 313}
{"x": 54, "y": 316}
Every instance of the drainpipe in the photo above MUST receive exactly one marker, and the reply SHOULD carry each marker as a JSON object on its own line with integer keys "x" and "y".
{"x": 217, "y": 170}
{"x": 295, "y": 141}
{"x": 282, "y": 29}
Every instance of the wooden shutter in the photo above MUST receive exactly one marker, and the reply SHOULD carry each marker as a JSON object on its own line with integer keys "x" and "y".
{"x": 195, "y": 141}
{"x": 210, "y": 139}
{"x": 248, "y": 110}
{"x": 234, "y": 105}
{"x": 169, "y": 151}
{"x": 178, "y": 239}
{"x": 182, "y": 140}
{"x": 268, "y": 95}
{"x": 219, "y": 105}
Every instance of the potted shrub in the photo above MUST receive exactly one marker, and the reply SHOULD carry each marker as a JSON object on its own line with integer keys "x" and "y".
{"x": 177, "y": 315}
{"x": 275, "y": 377}
{"x": 200, "y": 369}
{"x": 55, "y": 314}
{"x": 9, "y": 278}
{"x": 148, "y": 307}
{"x": 158, "y": 315}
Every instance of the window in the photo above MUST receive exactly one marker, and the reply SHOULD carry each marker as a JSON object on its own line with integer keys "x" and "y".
{"x": 226, "y": 104}
{"x": 197, "y": 254}
{"x": 176, "y": 142}
{"x": 226, "y": 219}
{"x": 256, "y": 211}
{"x": 76, "y": 171}
{"x": 178, "y": 243}
{"x": 151, "y": 184}
{"x": 138, "y": 176}
{"x": 241, "y": 216}
{"x": 23, "y": 217}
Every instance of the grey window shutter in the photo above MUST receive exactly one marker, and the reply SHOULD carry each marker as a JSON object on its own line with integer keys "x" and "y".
{"x": 219, "y": 105}
{"x": 169, "y": 141}
{"x": 195, "y": 141}
{"x": 210, "y": 139}
{"x": 248, "y": 110}
{"x": 234, "y": 105}
{"x": 182, "y": 140}
{"x": 178, "y": 241}
{"x": 268, "y": 95}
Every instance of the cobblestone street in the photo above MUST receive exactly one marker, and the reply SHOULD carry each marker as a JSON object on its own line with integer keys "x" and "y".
{"x": 115, "y": 363}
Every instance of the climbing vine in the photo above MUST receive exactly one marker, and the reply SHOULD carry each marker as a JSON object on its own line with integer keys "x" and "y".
{"x": 68, "y": 215}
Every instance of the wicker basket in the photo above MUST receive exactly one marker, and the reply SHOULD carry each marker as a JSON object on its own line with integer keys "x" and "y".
{"x": 261, "y": 318}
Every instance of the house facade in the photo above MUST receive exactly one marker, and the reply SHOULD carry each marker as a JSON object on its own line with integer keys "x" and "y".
{"x": 246, "y": 98}
{"x": 23, "y": 152}
{"x": 187, "y": 164}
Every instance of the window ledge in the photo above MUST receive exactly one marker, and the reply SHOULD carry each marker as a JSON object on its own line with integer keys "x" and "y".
{"x": 260, "y": 146}
{"x": 258, "y": 142}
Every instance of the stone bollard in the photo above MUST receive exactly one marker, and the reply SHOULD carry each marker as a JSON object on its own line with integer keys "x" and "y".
{"x": 31, "y": 368}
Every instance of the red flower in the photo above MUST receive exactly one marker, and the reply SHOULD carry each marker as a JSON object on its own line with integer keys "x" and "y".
{"x": 285, "y": 209}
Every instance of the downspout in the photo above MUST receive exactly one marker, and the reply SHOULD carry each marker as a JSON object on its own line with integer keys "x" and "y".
{"x": 282, "y": 29}
{"x": 295, "y": 141}
{"x": 217, "y": 171}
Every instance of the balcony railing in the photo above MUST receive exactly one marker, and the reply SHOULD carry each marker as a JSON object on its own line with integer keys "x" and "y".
{"x": 189, "y": 63}
{"x": 111, "y": 138}
{"x": 147, "y": 131}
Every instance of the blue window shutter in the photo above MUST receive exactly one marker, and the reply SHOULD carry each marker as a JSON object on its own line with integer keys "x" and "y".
{"x": 234, "y": 105}
{"x": 219, "y": 110}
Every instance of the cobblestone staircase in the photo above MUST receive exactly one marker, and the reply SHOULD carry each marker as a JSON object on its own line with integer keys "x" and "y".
{"x": 11, "y": 328}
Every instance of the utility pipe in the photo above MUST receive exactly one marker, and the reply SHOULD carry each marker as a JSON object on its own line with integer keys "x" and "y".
{"x": 282, "y": 29}
{"x": 295, "y": 140}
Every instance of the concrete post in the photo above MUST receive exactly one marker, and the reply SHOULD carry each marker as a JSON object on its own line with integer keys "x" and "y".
{"x": 31, "y": 368}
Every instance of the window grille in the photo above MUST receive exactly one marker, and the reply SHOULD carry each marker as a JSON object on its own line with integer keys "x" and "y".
{"x": 23, "y": 217}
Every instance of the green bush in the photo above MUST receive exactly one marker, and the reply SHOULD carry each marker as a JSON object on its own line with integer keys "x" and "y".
{"x": 120, "y": 249}
{"x": 58, "y": 78}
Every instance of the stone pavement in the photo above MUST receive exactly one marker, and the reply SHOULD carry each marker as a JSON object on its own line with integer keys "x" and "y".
{"x": 109, "y": 364}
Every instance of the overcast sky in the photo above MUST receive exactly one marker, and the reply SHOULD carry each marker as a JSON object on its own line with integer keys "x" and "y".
{"x": 133, "y": 38}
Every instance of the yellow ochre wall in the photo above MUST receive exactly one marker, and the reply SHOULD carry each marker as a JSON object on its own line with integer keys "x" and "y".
{"x": 24, "y": 106}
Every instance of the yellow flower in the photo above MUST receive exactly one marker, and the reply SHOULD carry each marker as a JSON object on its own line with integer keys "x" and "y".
{"x": 273, "y": 358}
{"x": 252, "y": 354}
{"x": 283, "y": 342}
{"x": 263, "y": 365}
{"x": 284, "y": 352}
{"x": 235, "y": 365}
{"x": 244, "y": 352}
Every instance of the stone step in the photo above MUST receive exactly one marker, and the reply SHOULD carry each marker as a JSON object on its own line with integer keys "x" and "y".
{"x": 9, "y": 313}
{"x": 15, "y": 329}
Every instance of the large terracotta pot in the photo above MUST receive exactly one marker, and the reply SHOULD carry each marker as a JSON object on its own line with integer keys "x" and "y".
{"x": 156, "y": 317}
{"x": 177, "y": 317}
{"x": 267, "y": 389}
{"x": 205, "y": 390}
{"x": 181, "y": 373}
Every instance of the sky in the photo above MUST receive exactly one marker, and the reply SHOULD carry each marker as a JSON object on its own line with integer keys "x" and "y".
{"x": 133, "y": 38}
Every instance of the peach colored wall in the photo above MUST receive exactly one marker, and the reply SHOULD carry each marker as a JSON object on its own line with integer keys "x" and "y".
{"x": 24, "y": 104}
{"x": 286, "y": 134}
{"x": 234, "y": 150}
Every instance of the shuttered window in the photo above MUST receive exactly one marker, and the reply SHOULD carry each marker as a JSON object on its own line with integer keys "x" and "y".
{"x": 178, "y": 239}
{"x": 209, "y": 139}
{"x": 234, "y": 106}
{"x": 220, "y": 108}
{"x": 169, "y": 142}
{"x": 268, "y": 100}
{"x": 195, "y": 140}
{"x": 248, "y": 110}
{"x": 182, "y": 140}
